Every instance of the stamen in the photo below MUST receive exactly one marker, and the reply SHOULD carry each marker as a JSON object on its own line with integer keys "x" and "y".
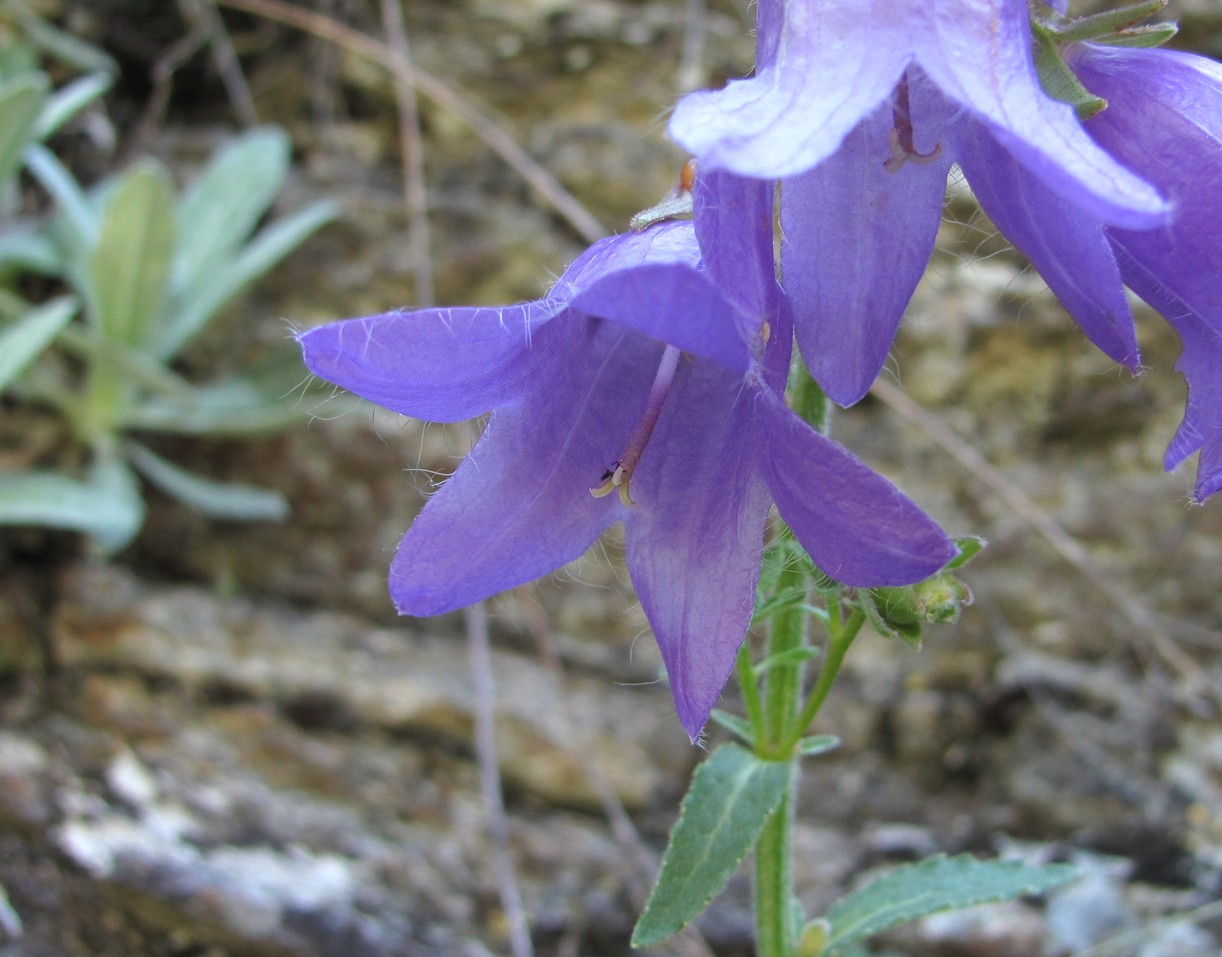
{"x": 903, "y": 148}
{"x": 618, "y": 475}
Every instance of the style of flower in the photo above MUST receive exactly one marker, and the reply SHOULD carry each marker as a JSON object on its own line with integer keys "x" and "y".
{"x": 644, "y": 388}
{"x": 860, "y": 107}
{"x": 1164, "y": 120}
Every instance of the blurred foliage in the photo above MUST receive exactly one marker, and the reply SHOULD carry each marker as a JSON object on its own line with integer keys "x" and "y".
{"x": 140, "y": 271}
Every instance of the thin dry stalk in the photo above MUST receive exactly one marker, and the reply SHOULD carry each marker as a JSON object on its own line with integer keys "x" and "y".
{"x": 410, "y": 145}
{"x": 497, "y": 821}
{"x": 491, "y": 133}
{"x": 226, "y": 61}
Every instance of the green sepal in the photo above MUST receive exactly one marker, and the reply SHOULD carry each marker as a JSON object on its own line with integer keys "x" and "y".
{"x": 933, "y": 885}
{"x": 969, "y": 547}
{"x": 1057, "y": 79}
{"x": 907, "y": 631}
{"x": 1145, "y": 37}
{"x": 731, "y": 797}
{"x": 1098, "y": 26}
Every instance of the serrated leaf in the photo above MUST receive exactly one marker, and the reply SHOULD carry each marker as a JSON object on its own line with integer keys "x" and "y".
{"x": 222, "y": 206}
{"x": 130, "y": 265}
{"x": 31, "y": 334}
{"x": 731, "y": 796}
{"x": 107, "y": 507}
{"x": 188, "y": 313}
{"x": 69, "y": 101}
{"x": 225, "y": 500}
{"x": 21, "y": 100}
{"x": 936, "y": 884}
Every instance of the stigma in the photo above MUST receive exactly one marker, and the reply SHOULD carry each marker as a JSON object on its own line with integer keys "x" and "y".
{"x": 902, "y": 146}
{"x": 618, "y": 475}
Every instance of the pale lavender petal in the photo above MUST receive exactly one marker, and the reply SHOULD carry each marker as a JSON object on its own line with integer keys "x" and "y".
{"x": 734, "y": 225}
{"x": 855, "y": 241}
{"x": 835, "y": 60}
{"x": 671, "y": 243}
{"x": 671, "y": 303}
{"x": 519, "y": 506}
{"x": 695, "y": 536}
{"x": 1067, "y": 247}
{"x": 444, "y": 365}
{"x": 856, "y": 526}
{"x": 1165, "y": 118}
{"x": 978, "y": 52}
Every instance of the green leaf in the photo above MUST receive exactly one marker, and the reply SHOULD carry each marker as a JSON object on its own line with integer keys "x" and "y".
{"x": 59, "y": 43}
{"x": 190, "y": 309}
{"x": 792, "y": 656}
{"x": 818, "y": 744}
{"x": 734, "y": 724}
{"x": 263, "y": 399}
{"x": 1098, "y": 26}
{"x": 79, "y": 218}
{"x": 30, "y": 250}
{"x": 21, "y": 101}
{"x": 732, "y": 794}
{"x": 223, "y": 500}
{"x": 107, "y": 507}
{"x": 225, "y": 202}
{"x": 936, "y": 884}
{"x": 31, "y": 334}
{"x": 69, "y": 101}
{"x": 130, "y": 265}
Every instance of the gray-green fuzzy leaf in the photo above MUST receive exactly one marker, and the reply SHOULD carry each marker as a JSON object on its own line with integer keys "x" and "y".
{"x": 222, "y": 500}
{"x": 21, "y": 101}
{"x": 933, "y": 885}
{"x": 69, "y": 101}
{"x": 731, "y": 797}
{"x": 31, "y": 334}
{"x": 107, "y": 507}
{"x": 129, "y": 267}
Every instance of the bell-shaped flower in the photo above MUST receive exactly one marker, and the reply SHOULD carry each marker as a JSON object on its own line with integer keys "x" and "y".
{"x": 644, "y": 388}
{"x": 1164, "y": 120}
{"x": 860, "y": 107}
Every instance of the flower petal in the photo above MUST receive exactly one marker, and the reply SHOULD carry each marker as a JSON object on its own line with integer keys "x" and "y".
{"x": 695, "y": 536}
{"x": 978, "y": 52}
{"x": 519, "y": 506}
{"x": 444, "y": 365}
{"x": 856, "y": 526}
{"x": 834, "y": 61}
{"x": 856, "y": 239}
{"x": 734, "y": 224}
{"x": 672, "y": 303}
{"x": 1074, "y": 255}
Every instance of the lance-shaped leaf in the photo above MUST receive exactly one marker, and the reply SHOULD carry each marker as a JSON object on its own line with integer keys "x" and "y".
{"x": 731, "y": 797}
{"x": 129, "y": 267}
{"x": 224, "y": 500}
{"x": 21, "y": 100}
{"x": 29, "y": 335}
{"x": 936, "y": 884}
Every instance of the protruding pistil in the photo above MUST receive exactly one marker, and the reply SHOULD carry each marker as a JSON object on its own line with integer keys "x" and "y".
{"x": 618, "y": 475}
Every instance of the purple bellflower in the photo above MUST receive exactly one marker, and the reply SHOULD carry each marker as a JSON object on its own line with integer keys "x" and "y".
{"x": 1164, "y": 120}
{"x": 644, "y": 388}
{"x": 860, "y": 107}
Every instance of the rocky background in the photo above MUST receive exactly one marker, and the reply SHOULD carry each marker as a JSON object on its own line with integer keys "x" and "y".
{"x": 224, "y": 742}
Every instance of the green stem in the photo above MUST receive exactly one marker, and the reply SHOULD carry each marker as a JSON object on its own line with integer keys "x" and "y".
{"x": 839, "y": 641}
{"x": 774, "y": 878}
